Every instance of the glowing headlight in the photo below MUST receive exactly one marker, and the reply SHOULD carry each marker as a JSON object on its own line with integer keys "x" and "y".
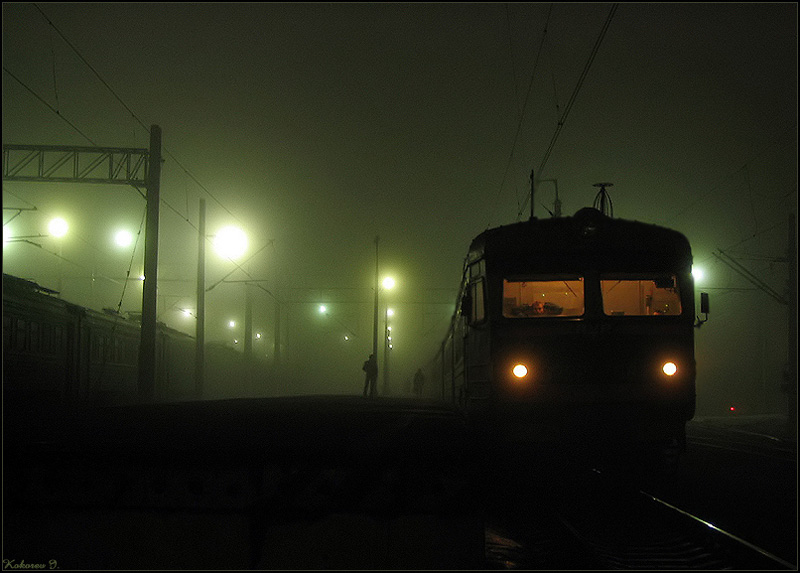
{"x": 669, "y": 368}
{"x": 520, "y": 370}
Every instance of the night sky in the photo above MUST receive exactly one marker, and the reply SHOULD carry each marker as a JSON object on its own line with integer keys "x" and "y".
{"x": 317, "y": 127}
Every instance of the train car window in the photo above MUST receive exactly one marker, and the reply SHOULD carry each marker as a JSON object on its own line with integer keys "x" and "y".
{"x": 477, "y": 270}
{"x": 34, "y": 334}
{"x": 640, "y": 295}
{"x": 22, "y": 335}
{"x": 477, "y": 306}
{"x": 535, "y": 297}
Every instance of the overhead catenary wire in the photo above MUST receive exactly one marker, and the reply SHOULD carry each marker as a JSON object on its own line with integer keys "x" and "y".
{"x": 50, "y": 107}
{"x": 521, "y": 114}
{"x": 127, "y": 108}
{"x": 572, "y": 99}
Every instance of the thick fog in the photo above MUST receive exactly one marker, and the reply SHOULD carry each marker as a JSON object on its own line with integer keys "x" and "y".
{"x": 316, "y": 128}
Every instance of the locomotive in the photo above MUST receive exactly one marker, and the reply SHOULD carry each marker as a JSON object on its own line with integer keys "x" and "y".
{"x": 575, "y": 331}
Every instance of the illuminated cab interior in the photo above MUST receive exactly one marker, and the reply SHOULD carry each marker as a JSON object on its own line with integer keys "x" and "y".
{"x": 623, "y": 295}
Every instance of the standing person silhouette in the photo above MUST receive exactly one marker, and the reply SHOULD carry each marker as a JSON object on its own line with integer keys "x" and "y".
{"x": 370, "y": 382}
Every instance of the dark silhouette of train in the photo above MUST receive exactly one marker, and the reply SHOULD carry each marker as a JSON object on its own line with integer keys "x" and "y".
{"x": 57, "y": 352}
{"x": 574, "y": 331}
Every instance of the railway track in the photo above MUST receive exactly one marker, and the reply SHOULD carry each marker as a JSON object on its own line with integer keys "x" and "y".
{"x": 595, "y": 520}
{"x": 762, "y": 442}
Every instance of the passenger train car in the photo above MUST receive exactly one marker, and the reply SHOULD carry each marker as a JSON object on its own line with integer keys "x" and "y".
{"x": 58, "y": 352}
{"x": 576, "y": 330}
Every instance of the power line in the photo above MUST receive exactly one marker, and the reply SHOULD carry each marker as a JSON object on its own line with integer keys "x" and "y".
{"x": 522, "y": 113}
{"x": 127, "y": 108}
{"x": 50, "y": 107}
{"x": 575, "y": 92}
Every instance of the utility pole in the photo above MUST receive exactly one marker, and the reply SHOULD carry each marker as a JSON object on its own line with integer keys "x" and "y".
{"x": 533, "y": 179}
{"x": 200, "y": 335}
{"x": 248, "y": 323}
{"x": 147, "y": 345}
{"x": 386, "y": 350}
{"x": 375, "y": 309}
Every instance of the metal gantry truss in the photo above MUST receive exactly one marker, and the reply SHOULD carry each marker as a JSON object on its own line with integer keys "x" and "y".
{"x": 63, "y": 164}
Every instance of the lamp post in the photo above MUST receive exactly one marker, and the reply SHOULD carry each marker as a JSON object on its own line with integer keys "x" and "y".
{"x": 231, "y": 243}
{"x": 387, "y": 347}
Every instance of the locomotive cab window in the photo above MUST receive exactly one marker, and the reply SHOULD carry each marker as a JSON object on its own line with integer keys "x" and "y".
{"x": 640, "y": 295}
{"x": 543, "y": 296}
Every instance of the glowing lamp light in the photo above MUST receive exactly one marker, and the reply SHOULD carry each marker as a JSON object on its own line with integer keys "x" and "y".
{"x": 231, "y": 323}
{"x": 669, "y": 368}
{"x": 230, "y": 242}
{"x": 698, "y": 274}
{"x": 6, "y": 235}
{"x": 520, "y": 370}
{"x": 388, "y": 283}
{"x": 322, "y": 309}
{"x": 123, "y": 238}
{"x": 58, "y": 227}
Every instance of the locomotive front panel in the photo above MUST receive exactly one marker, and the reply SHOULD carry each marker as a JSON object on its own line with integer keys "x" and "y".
{"x": 592, "y": 356}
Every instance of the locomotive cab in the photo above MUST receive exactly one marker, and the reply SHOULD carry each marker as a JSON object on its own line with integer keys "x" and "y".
{"x": 576, "y": 330}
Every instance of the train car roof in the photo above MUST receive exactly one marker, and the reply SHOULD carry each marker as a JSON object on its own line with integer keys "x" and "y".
{"x": 588, "y": 231}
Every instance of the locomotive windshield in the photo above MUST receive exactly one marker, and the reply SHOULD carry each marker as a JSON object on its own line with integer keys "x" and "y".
{"x": 638, "y": 295}
{"x": 543, "y": 296}
{"x": 623, "y": 294}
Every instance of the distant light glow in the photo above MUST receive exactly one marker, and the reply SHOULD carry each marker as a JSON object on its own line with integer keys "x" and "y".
{"x": 258, "y": 336}
{"x": 230, "y": 242}
{"x": 186, "y": 312}
{"x": 389, "y": 312}
{"x": 520, "y": 370}
{"x": 6, "y": 235}
{"x": 669, "y": 368}
{"x": 388, "y": 283}
{"x": 58, "y": 227}
{"x": 123, "y": 238}
{"x": 231, "y": 323}
{"x": 322, "y": 309}
{"x": 698, "y": 274}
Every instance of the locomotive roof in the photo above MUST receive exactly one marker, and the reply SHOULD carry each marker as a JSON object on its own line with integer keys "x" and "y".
{"x": 588, "y": 230}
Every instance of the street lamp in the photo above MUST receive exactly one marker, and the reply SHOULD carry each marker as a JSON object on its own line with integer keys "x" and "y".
{"x": 123, "y": 238}
{"x": 58, "y": 227}
{"x": 230, "y": 242}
